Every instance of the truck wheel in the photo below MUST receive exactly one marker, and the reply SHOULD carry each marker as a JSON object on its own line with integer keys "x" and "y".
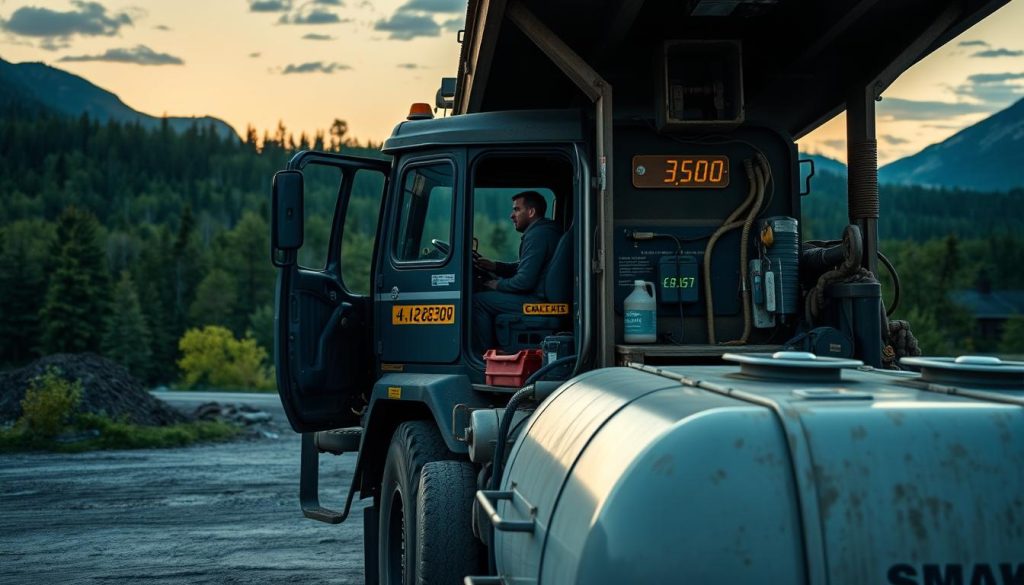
{"x": 414, "y": 444}
{"x": 446, "y": 550}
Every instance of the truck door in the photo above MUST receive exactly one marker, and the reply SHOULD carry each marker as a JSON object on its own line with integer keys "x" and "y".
{"x": 323, "y": 307}
{"x": 420, "y": 274}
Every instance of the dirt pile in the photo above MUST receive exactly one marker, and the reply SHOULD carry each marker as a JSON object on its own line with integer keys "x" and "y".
{"x": 107, "y": 388}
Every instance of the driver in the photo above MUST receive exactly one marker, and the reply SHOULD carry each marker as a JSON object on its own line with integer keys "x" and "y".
{"x": 519, "y": 282}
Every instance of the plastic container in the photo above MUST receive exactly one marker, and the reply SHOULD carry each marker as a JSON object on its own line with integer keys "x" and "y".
{"x": 639, "y": 313}
{"x": 511, "y": 370}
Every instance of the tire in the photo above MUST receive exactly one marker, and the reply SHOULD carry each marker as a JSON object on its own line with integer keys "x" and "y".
{"x": 446, "y": 550}
{"x": 414, "y": 444}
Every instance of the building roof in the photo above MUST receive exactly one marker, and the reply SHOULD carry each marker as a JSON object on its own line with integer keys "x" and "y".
{"x": 997, "y": 304}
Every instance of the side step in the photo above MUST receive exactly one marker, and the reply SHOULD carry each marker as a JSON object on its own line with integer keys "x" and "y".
{"x": 337, "y": 441}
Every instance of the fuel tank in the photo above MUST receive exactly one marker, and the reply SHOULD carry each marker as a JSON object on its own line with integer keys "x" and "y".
{"x": 781, "y": 469}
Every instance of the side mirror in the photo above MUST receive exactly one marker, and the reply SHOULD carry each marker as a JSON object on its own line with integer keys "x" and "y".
{"x": 287, "y": 214}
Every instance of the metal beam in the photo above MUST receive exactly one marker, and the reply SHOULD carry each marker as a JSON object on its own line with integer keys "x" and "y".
{"x": 475, "y": 67}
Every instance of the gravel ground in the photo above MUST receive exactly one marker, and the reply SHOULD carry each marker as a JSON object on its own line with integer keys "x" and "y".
{"x": 225, "y": 513}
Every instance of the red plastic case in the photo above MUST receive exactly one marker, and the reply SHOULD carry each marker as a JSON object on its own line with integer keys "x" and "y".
{"x": 511, "y": 370}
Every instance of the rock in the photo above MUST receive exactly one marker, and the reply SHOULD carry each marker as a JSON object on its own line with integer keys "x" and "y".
{"x": 107, "y": 389}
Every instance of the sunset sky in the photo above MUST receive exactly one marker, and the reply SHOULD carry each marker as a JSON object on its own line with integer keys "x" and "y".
{"x": 305, "y": 63}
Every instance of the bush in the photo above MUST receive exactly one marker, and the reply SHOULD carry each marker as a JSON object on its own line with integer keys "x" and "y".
{"x": 212, "y": 356}
{"x": 48, "y": 404}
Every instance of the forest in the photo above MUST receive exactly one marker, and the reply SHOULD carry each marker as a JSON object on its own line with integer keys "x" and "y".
{"x": 152, "y": 247}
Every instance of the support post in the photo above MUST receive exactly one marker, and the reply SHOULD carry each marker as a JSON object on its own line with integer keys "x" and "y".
{"x": 598, "y": 91}
{"x": 862, "y": 162}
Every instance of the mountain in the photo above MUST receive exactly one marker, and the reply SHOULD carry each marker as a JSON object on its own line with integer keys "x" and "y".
{"x": 27, "y": 87}
{"x": 988, "y": 156}
{"x": 822, "y": 163}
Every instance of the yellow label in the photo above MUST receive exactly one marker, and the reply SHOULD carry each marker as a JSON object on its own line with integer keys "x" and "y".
{"x": 395, "y": 392}
{"x": 392, "y": 367}
{"x": 545, "y": 308}
{"x": 423, "y": 314}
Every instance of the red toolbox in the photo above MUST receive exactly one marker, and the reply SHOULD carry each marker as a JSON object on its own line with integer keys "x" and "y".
{"x": 513, "y": 369}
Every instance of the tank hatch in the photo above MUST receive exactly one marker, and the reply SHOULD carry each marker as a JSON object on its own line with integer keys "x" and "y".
{"x": 970, "y": 370}
{"x": 792, "y": 366}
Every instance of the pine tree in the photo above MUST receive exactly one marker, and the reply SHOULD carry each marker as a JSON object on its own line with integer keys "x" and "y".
{"x": 76, "y": 306}
{"x": 216, "y": 300}
{"x": 127, "y": 338}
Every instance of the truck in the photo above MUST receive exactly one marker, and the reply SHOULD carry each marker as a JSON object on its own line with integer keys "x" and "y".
{"x": 779, "y": 428}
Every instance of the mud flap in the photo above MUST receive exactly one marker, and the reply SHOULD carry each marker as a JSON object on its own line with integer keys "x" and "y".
{"x": 370, "y": 548}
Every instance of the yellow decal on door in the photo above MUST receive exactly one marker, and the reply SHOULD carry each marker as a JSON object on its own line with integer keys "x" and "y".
{"x": 394, "y": 392}
{"x": 423, "y": 314}
{"x": 545, "y": 308}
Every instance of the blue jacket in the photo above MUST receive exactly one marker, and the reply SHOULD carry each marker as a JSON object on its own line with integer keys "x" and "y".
{"x": 526, "y": 277}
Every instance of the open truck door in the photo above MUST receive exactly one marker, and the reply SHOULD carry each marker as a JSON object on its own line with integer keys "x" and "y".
{"x": 322, "y": 324}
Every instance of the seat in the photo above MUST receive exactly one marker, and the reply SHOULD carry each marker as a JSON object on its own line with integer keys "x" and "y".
{"x": 518, "y": 331}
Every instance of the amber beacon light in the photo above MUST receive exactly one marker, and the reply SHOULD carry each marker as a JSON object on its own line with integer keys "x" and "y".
{"x": 420, "y": 111}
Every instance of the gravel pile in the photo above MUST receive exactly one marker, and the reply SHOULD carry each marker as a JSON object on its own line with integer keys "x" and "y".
{"x": 107, "y": 388}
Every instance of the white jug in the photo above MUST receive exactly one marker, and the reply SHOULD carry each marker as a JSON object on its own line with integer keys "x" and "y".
{"x": 640, "y": 314}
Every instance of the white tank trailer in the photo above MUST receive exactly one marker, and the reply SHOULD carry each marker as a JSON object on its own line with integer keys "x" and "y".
{"x": 787, "y": 469}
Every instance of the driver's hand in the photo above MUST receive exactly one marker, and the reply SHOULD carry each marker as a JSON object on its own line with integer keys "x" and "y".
{"x": 491, "y": 284}
{"x": 484, "y": 264}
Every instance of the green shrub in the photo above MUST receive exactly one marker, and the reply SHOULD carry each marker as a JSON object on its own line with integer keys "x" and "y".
{"x": 48, "y": 404}
{"x": 212, "y": 356}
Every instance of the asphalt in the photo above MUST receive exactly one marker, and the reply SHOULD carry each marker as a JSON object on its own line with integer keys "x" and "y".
{"x": 220, "y": 513}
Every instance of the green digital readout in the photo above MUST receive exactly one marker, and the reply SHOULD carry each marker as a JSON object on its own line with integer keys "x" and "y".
{"x": 679, "y": 282}
{"x": 677, "y": 279}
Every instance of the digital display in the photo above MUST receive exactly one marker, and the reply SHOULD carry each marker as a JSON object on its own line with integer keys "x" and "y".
{"x": 679, "y": 282}
{"x": 679, "y": 171}
{"x": 678, "y": 279}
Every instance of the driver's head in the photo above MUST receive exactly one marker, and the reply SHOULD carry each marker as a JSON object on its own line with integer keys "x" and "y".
{"x": 527, "y": 207}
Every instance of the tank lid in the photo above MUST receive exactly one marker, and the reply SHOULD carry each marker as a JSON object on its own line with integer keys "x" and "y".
{"x": 969, "y": 370}
{"x": 791, "y": 366}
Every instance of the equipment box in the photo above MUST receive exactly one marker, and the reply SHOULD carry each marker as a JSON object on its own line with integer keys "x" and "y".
{"x": 513, "y": 369}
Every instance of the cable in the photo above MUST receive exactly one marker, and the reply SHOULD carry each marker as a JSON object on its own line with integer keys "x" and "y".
{"x": 761, "y": 173}
{"x": 727, "y": 225}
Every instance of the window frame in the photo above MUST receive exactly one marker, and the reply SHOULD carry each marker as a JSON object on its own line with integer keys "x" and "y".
{"x": 399, "y": 203}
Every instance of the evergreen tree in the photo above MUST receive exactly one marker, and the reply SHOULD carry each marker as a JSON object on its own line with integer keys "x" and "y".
{"x": 127, "y": 338}
{"x": 1013, "y": 336}
{"x": 216, "y": 299}
{"x": 76, "y": 306}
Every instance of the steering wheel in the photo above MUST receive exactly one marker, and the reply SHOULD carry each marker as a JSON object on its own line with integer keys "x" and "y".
{"x": 441, "y": 245}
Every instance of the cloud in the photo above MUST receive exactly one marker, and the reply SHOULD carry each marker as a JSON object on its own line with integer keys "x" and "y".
{"x": 317, "y": 37}
{"x": 329, "y": 2}
{"x": 314, "y": 67}
{"x": 836, "y": 144}
{"x": 139, "y": 55}
{"x": 893, "y": 140}
{"x": 405, "y": 27}
{"x": 975, "y": 43}
{"x": 454, "y": 24}
{"x": 995, "y": 89}
{"x": 162, "y": 27}
{"x": 434, "y": 6}
{"x": 270, "y": 5}
{"x": 993, "y": 53}
{"x": 900, "y": 109}
{"x": 88, "y": 19}
{"x": 408, "y": 66}
{"x": 256, "y": 55}
{"x": 312, "y": 16}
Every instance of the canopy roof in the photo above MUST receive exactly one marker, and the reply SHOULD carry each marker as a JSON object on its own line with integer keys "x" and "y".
{"x": 801, "y": 58}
